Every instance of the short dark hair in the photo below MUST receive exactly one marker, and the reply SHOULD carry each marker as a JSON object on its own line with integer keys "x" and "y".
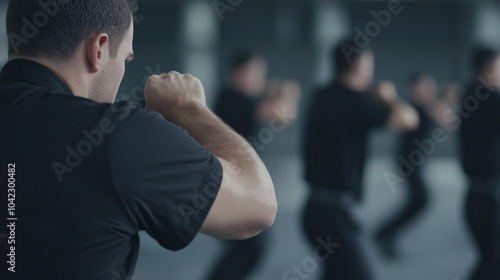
{"x": 56, "y": 28}
{"x": 242, "y": 58}
{"x": 345, "y": 54}
{"x": 483, "y": 58}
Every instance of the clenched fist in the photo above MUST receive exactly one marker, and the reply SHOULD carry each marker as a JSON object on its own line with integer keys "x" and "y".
{"x": 169, "y": 93}
{"x": 281, "y": 103}
{"x": 385, "y": 91}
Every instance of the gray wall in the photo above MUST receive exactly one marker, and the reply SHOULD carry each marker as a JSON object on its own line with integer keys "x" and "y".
{"x": 3, "y": 36}
{"x": 431, "y": 36}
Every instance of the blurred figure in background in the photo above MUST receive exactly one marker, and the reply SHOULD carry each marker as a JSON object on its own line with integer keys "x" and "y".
{"x": 423, "y": 96}
{"x": 247, "y": 102}
{"x": 480, "y": 115}
{"x": 336, "y": 135}
{"x": 452, "y": 94}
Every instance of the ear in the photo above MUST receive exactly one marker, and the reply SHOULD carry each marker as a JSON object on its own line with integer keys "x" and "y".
{"x": 97, "y": 51}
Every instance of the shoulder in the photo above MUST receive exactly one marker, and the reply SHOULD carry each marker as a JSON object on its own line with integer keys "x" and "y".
{"x": 74, "y": 115}
{"x": 129, "y": 119}
{"x": 81, "y": 111}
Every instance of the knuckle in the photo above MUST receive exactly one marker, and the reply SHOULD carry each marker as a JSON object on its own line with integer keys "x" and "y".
{"x": 153, "y": 79}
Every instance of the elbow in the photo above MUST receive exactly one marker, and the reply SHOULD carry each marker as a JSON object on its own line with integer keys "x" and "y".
{"x": 261, "y": 216}
{"x": 269, "y": 207}
{"x": 265, "y": 206}
{"x": 267, "y": 216}
{"x": 259, "y": 222}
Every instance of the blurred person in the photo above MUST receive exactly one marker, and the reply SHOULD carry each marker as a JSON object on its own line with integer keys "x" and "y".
{"x": 247, "y": 102}
{"x": 423, "y": 96}
{"x": 339, "y": 121}
{"x": 480, "y": 115}
{"x": 250, "y": 99}
{"x": 85, "y": 176}
{"x": 452, "y": 94}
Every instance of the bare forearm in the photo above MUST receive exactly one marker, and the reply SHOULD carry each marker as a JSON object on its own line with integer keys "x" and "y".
{"x": 247, "y": 186}
{"x": 213, "y": 134}
{"x": 246, "y": 169}
{"x": 245, "y": 204}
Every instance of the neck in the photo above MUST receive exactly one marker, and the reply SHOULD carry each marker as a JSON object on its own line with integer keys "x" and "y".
{"x": 239, "y": 87}
{"x": 66, "y": 72}
{"x": 352, "y": 82}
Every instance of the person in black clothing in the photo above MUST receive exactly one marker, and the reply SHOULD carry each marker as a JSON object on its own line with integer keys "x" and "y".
{"x": 337, "y": 128}
{"x": 480, "y": 133}
{"x": 247, "y": 102}
{"x": 85, "y": 175}
{"x": 423, "y": 96}
{"x": 238, "y": 103}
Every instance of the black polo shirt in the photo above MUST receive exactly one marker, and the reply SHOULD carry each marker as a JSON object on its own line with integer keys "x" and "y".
{"x": 424, "y": 131}
{"x": 480, "y": 132}
{"x": 238, "y": 110}
{"x": 336, "y": 137}
{"x": 89, "y": 177}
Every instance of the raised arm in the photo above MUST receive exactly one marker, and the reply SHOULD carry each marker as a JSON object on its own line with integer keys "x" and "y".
{"x": 403, "y": 116}
{"x": 246, "y": 202}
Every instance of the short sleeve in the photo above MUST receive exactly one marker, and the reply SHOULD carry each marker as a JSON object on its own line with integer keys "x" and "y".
{"x": 166, "y": 180}
{"x": 370, "y": 112}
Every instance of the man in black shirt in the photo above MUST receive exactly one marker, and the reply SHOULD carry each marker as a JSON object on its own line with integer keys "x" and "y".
{"x": 244, "y": 104}
{"x": 340, "y": 118}
{"x": 238, "y": 102}
{"x": 84, "y": 176}
{"x": 480, "y": 115}
{"x": 423, "y": 96}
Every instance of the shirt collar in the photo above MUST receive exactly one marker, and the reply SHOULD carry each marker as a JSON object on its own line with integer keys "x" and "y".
{"x": 35, "y": 73}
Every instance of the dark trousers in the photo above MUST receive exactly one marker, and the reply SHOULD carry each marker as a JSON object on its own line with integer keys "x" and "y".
{"x": 483, "y": 218}
{"x": 331, "y": 221}
{"x": 240, "y": 258}
{"x": 416, "y": 200}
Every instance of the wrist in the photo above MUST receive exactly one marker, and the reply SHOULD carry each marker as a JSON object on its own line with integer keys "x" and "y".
{"x": 183, "y": 114}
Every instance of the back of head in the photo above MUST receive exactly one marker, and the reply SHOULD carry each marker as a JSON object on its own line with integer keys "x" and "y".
{"x": 248, "y": 73}
{"x": 243, "y": 59}
{"x": 345, "y": 55}
{"x": 484, "y": 58}
{"x": 55, "y": 29}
